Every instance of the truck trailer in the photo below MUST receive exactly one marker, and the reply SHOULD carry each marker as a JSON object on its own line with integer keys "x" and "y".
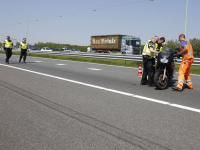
{"x": 124, "y": 44}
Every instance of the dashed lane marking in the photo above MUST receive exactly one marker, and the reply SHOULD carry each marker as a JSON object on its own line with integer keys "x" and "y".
{"x": 94, "y": 69}
{"x": 60, "y": 64}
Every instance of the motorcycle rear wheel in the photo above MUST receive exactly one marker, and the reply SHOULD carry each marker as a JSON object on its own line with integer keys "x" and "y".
{"x": 159, "y": 82}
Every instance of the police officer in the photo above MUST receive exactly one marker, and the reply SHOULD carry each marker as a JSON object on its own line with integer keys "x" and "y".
{"x": 149, "y": 54}
{"x": 8, "y": 45}
{"x": 159, "y": 45}
{"x": 23, "y": 49}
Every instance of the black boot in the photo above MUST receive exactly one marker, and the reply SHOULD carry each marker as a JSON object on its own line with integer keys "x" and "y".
{"x": 177, "y": 88}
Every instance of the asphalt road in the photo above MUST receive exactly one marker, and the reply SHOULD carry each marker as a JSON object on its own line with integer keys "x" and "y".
{"x": 54, "y": 104}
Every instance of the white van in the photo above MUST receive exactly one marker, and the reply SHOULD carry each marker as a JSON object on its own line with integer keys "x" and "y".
{"x": 66, "y": 49}
{"x": 46, "y": 49}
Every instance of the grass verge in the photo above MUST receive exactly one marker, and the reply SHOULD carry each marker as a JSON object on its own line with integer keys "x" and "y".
{"x": 127, "y": 63}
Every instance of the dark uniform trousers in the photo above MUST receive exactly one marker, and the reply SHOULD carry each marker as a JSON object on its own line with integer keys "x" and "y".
{"x": 8, "y": 53}
{"x": 23, "y": 54}
{"x": 154, "y": 68}
{"x": 148, "y": 69}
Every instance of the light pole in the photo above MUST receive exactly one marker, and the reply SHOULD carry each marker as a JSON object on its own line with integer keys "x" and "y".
{"x": 186, "y": 16}
{"x": 26, "y": 27}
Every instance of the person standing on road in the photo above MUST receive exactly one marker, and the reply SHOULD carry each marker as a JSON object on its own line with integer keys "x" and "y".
{"x": 159, "y": 45}
{"x": 149, "y": 53}
{"x": 186, "y": 51}
{"x": 8, "y": 45}
{"x": 23, "y": 49}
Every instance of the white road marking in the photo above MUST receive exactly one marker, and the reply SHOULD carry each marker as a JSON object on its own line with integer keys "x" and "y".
{"x": 37, "y": 61}
{"x": 110, "y": 90}
{"x": 94, "y": 69}
{"x": 61, "y": 64}
{"x": 194, "y": 74}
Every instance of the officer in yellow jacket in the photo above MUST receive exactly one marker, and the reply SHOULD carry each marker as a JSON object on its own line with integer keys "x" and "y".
{"x": 149, "y": 53}
{"x": 23, "y": 49}
{"x": 159, "y": 48}
{"x": 159, "y": 45}
{"x": 8, "y": 46}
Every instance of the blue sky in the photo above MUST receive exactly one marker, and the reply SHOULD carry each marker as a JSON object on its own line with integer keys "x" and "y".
{"x": 79, "y": 21}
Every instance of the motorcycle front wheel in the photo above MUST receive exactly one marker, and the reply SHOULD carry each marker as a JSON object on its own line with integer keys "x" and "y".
{"x": 159, "y": 82}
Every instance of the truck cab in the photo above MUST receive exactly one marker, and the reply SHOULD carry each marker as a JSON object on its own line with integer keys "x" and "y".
{"x": 130, "y": 45}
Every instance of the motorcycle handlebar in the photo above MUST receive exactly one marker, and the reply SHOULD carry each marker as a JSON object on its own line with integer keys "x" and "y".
{"x": 177, "y": 55}
{"x": 177, "y": 48}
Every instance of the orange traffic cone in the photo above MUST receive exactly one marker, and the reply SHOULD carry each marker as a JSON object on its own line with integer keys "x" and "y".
{"x": 140, "y": 71}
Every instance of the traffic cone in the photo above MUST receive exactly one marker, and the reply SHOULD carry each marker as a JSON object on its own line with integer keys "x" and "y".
{"x": 140, "y": 71}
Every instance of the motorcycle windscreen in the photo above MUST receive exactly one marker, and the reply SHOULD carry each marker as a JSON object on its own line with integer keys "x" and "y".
{"x": 166, "y": 52}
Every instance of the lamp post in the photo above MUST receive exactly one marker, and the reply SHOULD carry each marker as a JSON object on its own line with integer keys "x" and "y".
{"x": 27, "y": 27}
{"x": 186, "y": 16}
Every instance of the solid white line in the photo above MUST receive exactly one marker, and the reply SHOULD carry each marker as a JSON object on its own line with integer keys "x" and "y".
{"x": 37, "y": 61}
{"x": 185, "y": 107}
{"x": 195, "y": 75}
{"x": 111, "y": 90}
{"x": 94, "y": 69}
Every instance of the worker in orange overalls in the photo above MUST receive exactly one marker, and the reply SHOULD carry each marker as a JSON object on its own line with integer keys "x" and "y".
{"x": 186, "y": 51}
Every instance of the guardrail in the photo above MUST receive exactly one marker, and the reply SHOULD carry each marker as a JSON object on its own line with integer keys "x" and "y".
{"x": 107, "y": 56}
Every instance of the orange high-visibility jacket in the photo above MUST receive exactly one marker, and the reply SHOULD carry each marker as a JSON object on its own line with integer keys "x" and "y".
{"x": 189, "y": 53}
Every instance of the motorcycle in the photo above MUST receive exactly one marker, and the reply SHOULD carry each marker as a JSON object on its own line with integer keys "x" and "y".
{"x": 165, "y": 67}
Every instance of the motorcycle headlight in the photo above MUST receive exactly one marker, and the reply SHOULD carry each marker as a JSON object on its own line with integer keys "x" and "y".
{"x": 164, "y": 60}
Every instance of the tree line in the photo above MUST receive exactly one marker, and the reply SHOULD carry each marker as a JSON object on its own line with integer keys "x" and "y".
{"x": 58, "y": 45}
{"x": 40, "y": 45}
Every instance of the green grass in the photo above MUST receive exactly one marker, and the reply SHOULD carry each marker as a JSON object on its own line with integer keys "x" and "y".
{"x": 127, "y": 63}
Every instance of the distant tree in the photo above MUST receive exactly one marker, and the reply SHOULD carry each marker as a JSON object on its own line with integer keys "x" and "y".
{"x": 58, "y": 45}
{"x": 172, "y": 44}
{"x": 196, "y": 46}
{"x": 18, "y": 43}
{"x": 142, "y": 47}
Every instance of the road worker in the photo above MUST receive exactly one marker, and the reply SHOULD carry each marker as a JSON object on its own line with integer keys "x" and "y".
{"x": 8, "y": 45}
{"x": 149, "y": 54}
{"x": 186, "y": 51}
{"x": 23, "y": 50}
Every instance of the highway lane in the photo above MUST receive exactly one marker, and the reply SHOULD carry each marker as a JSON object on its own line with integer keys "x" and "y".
{"x": 123, "y": 121}
{"x": 117, "y": 78}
